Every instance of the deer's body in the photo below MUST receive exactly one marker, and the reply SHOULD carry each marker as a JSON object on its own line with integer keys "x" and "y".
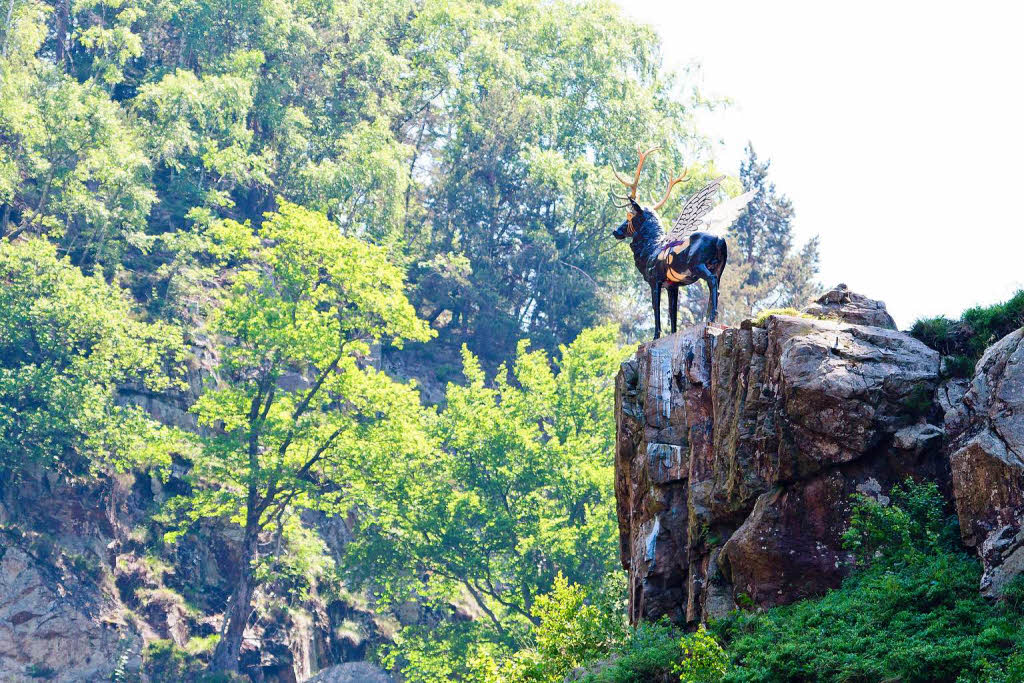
{"x": 671, "y": 265}
{"x": 684, "y": 254}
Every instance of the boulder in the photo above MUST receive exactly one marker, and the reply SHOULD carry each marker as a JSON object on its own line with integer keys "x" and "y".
{"x": 987, "y": 462}
{"x": 840, "y": 303}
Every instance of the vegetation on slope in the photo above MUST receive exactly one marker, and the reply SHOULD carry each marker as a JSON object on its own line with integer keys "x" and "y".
{"x": 910, "y": 612}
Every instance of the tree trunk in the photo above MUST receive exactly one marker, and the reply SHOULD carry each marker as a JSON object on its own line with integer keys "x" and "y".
{"x": 225, "y": 657}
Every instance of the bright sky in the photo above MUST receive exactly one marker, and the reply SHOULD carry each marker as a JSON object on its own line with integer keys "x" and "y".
{"x": 895, "y": 127}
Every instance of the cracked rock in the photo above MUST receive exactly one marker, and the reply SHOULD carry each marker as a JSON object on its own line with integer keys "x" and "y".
{"x": 987, "y": 461}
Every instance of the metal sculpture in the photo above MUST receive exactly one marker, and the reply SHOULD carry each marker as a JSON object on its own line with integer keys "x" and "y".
{"x": 691, "y": 250}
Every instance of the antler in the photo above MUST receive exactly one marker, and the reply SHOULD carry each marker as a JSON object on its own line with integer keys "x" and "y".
{"x": 672, "y": 183}
{"x": 636, "y": 176}
{"x": 621, "y": 199}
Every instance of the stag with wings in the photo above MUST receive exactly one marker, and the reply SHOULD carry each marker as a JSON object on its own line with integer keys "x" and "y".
{"x": 693, "y": 249}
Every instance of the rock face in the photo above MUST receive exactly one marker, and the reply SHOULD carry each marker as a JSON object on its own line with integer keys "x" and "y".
{"x": 50, "y": 630}
{"x": 355, "y": 672}
{"x": 987, "y": 461}
{"x": 82, "y": 594}
{"x": 738, "y": 452}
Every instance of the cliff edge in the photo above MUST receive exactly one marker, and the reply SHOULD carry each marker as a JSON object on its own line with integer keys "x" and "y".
{"x": 739, "y": 450}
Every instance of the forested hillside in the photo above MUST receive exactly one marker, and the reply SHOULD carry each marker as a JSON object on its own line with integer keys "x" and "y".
{"x": 314, "y": 306}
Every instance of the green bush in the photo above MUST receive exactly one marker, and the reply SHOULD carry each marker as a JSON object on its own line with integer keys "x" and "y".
{"x": 913, "y": 524}
{"x": 968, "y": 337}
{"x": 989, "y": 324}
{"x": 959, "y": 365}
{"x": 920, "y": 400}
{"x": 650, "y": 653}
{"x": 704, "y": 660}
{"x": 939, "y": 333}
{"x": 574, "y": 631}
{"x": 912, "y": 613}
{"x": 163, "y": 661}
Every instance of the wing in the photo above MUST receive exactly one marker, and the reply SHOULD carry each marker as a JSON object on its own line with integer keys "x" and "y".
{"x": 693, "y": 210}
{"x": 720, "y": 219}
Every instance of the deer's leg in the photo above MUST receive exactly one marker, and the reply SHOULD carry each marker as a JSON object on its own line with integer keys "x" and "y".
{"x": 673, "y": 306}
{"x": 712, "y": 280}
{"x": 656, "y": 302}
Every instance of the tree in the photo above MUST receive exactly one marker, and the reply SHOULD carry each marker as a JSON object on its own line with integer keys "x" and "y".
{"x": 71, "y": 165}
{"x": 764, "y": 270}
{"x": 519, "y": 491}
{"x": 528, "y": 106}
{"x": 297, "y": 405}
{"x": 67, "y": 341}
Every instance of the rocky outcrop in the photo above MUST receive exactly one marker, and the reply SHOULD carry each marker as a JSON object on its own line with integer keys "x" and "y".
{"x": 738, "y": 451}
{"x": 84, "y": 591}
{"x": 57, "y": 629}
{"x": 839, "y": 303}
{"x": 987, "y": 461}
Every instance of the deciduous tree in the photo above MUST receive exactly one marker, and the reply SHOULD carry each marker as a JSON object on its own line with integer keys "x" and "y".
{"x": 297, "y": 407}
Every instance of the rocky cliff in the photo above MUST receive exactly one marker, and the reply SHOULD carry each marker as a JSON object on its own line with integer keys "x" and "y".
{"x": 87, "y": 584}
{"x": 739, "y": 450}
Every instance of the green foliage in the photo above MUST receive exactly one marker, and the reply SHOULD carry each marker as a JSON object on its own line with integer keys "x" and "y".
{"x": 162, "y": 660}
{"x": 920, "y": 401}
{"x": 959, "y": 366}
{"x": 1013, "y": 594}
{"x": 573, "y": 632}
{"x": 165, "y": 662}
{"x": 989, "y": 324}
{"x": 968, "y": 337}
{"x": 66, "y": 342}
{"x": 910, "y": 525}
{"x": 938, "y": 333}
{"x": 576, "y": 627}
{"x": 519, "y": 491}
{"x": 912, "y": 614}
{"x": 40, "y": 671}
{"x": 475, "y": 138}
{"x": 704, "y": 660}
{"x": 71, "y": 164}
{"x": 307, "y": 301}
{"x": 652, "y": 652}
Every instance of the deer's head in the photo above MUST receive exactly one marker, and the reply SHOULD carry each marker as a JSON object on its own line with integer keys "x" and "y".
{"x": 635, "y": 214}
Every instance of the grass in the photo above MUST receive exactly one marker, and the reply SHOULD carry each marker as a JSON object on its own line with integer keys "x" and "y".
{"x": 761, "y": 318}
{"x": 967, "y": 338}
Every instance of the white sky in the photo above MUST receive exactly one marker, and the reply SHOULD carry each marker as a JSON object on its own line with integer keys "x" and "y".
{"x": 897, "y": 129}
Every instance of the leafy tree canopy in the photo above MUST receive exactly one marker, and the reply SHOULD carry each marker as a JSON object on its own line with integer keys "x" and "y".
{"x": 67, "y": 341}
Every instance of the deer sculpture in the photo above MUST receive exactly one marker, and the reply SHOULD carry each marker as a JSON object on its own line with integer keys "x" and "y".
{"x": 693, "y": 249}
